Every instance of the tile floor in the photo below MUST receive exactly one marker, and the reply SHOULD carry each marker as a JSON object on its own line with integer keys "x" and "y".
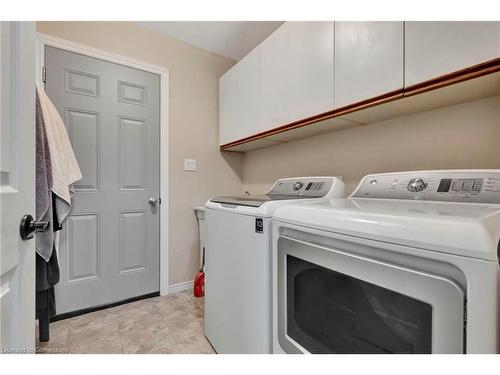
{"x": 171, "y": 324}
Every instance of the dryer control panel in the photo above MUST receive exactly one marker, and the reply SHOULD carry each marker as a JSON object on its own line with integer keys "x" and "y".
{"x": 477, "y": 186}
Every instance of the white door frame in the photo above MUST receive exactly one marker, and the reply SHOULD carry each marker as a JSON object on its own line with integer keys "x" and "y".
{"x": 48, "y": 40}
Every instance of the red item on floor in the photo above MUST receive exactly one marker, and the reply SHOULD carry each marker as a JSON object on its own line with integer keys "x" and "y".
{"x": 199, "y": 280}
{"x": 199, "y": 284}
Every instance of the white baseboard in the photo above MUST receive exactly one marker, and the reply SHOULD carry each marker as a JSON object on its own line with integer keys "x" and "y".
{"x": 176, "y": 288}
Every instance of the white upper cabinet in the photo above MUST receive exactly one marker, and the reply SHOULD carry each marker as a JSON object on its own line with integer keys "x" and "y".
{"x": 228, "y": 107}
{"x": 305, "y": 69}
{"x": 249, "y": 114}
{"x": 368, "y": 60}
{"x": 436, "y": 48}
{"x": 296, "y": 73}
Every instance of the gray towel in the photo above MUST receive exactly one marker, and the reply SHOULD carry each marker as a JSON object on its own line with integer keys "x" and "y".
{"x": 45, "y": 240}
{"x": 65, "y": 169}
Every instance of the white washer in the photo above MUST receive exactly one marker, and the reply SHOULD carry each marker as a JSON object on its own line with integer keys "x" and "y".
{"x": 238, "y": 262}
{"x": 409, "y": 263}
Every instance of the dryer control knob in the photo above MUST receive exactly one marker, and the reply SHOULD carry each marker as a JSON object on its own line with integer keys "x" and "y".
{"x": 298, "y": 185}
{"x": 417, "y": 184}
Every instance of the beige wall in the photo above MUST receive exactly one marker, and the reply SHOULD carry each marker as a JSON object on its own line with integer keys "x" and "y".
{"x": 460, "y": 136}
{"x": 194, "y": 76}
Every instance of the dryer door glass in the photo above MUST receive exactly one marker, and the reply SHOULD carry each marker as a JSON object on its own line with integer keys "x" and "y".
{"x": 333, "y": 298}
{"x": 329, "y": 312}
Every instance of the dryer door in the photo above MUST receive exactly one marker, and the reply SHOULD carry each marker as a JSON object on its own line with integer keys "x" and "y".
{"x": 333, "y": 301}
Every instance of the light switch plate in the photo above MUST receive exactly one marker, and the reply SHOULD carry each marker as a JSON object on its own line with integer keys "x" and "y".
{"x": 189, "y": 164}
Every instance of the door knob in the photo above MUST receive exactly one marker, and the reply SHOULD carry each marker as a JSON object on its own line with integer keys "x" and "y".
{"x": 30, "y": 226}
{"x": 153, "y": 201}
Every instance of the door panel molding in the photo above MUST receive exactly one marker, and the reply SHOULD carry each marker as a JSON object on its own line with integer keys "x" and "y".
{"x": 132, "y": 235}
{"x": 44, "y": 40}
{"x": 79, "y": 265}
{"x": 132, "y": 93}
{"x": 132, "y": 155}
{"x": 81, "y": 83}
{"x": 83, "y": 125}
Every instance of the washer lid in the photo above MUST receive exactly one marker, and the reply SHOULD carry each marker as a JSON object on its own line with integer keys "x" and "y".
{"x": 466, "y": 229}
{"x": 254, "y": 200}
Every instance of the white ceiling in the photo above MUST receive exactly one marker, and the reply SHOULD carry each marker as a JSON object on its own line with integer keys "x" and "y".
{"x": 233, "y": 39}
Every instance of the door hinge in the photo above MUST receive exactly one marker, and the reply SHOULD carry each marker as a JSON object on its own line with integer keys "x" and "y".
{"x": 159, "y": 200}
{"x": 44, "y": 74}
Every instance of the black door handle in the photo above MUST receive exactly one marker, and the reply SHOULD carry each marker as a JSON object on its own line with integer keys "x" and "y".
{"x": 30, "y": 226}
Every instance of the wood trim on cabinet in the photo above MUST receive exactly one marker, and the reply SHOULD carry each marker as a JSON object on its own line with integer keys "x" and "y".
{"x": 488, "y": 67}
{"x": 317, "y": 118}
{"x": 475, "y": 71}
{"x": 381, "y": 99}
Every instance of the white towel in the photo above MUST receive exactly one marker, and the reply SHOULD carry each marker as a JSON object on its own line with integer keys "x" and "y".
{"x": 44, "y": 240}
{"x": 65, "y": 169}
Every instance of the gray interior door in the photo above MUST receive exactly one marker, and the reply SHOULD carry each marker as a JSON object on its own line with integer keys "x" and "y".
{"x": 109, "y": 245}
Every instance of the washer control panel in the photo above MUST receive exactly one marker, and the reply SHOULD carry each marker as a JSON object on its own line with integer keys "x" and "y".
{"x": 478, "y": 186}
{"x": 417, "y": 184}
{"x": 312, "y": 187}
{"x": 298, "y": 185}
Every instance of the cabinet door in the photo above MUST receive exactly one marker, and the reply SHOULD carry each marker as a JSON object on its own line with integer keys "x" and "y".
{"x": 248, "y": 117}
{"x": 296, "y": 73}
{"x": 368, "y": 60}
{"x": 228, "y": 106}
{"x": 436, "y": 48}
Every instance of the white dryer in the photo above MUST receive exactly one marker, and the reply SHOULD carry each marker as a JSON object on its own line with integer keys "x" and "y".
{"x": 238, "y": 262}
{"x": 409, "y": 263}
